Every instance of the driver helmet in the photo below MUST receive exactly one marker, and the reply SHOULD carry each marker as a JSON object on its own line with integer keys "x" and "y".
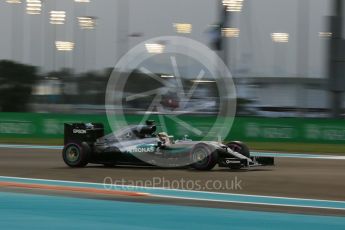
{"x": 163, "y": 136}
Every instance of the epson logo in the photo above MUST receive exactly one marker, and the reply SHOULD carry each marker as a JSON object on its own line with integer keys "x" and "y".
{"x": 79, "y": 131}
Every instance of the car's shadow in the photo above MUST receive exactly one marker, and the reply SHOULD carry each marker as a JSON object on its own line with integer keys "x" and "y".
{"x": 138, "y": 167}
{"x": 188, "y": 169}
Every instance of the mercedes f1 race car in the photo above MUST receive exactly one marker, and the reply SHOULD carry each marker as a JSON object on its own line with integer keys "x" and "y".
{"x": 140, "y": 145}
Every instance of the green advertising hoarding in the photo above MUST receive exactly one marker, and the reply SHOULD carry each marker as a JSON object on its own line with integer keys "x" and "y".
{"x": 300, "y": 130}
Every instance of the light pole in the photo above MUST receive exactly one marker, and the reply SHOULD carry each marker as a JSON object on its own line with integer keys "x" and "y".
{"x": 227, "y": 30}
{"x": 88, "y": 25}
{"x": 302, "y": 54}
{"x": 17, "y": 29}
{"x": 279, "y": 38}
{"x": 336, "y": 59}
{"x": 34, "y": 11}
{"x": 123, "y": 15}
{"x": 185, "y": 29}
{"x": 57, "y": 18}
{"x": 80, "y": 11}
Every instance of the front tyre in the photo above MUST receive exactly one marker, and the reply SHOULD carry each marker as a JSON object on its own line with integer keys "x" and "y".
{"x": 239, "y": 147}
{"x": 75, "y": 155}
{"x": 203, "y": 157}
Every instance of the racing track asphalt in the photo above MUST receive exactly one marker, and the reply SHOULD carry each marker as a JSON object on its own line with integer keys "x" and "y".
{"x": 299, "y": 178}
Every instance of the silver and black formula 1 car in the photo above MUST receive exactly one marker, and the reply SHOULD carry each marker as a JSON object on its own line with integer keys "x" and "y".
{"x": 140, "y": 145}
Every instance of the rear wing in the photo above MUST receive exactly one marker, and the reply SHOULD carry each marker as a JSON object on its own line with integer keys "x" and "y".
{"x": 82, "y": 132}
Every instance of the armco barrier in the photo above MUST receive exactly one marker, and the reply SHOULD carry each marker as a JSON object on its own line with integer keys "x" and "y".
{"x": 32, "y": 125}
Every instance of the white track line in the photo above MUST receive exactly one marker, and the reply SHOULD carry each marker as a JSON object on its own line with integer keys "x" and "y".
{"x": 200, "y": 192}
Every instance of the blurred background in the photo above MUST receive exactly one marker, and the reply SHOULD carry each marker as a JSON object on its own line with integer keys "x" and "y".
{"x": 286, "y": 56}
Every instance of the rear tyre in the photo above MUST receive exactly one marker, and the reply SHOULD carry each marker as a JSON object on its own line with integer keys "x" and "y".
{"x": 239, "y": 147}
{"x": 203, "y": 157}
{"x": 75, "y": 155}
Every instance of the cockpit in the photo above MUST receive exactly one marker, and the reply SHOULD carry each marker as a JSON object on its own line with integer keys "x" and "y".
{"x": 137, "y": 131}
